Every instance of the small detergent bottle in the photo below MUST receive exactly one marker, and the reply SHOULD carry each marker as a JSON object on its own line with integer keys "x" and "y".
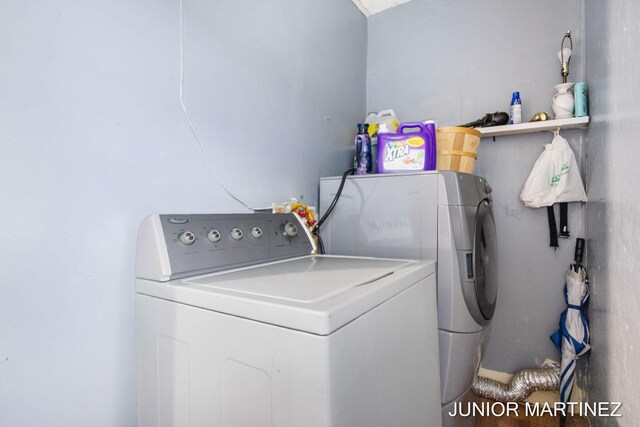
{"x": 363, "y": 150}
{"x": 367, "y": 148}
{"x": 358, "y": 152}
{"x": 516, "y": 109}
{"x": 362, "y": 161}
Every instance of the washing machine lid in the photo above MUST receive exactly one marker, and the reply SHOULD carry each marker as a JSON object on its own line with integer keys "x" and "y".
{"x": 316, "y": 294}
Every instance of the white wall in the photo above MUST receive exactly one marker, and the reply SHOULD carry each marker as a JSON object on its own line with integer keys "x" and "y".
{"x": 613, "y": 210}
{"x": 454, "y": 62}
{"x": 93, "y": 139}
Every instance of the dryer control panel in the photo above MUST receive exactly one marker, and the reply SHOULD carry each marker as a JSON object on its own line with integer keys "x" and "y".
{"x": 175, "y": 246}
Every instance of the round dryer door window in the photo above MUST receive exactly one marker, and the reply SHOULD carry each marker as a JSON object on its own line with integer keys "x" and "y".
{"x": 485, "y": 259}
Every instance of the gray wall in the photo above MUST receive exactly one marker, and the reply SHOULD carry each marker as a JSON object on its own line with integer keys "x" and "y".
{"x": 613, "y": 210}
{"x": 454, "y": 62}
{"x": 94, "y": 139}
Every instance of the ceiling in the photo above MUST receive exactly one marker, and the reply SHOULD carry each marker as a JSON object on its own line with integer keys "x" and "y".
{"x": 371, "y": 7}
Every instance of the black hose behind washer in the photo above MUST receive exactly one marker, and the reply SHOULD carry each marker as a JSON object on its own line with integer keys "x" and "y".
{"x": 316, "y": 229}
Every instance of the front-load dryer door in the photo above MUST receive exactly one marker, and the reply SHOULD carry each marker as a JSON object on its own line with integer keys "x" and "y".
{"x": 485, "y": 266}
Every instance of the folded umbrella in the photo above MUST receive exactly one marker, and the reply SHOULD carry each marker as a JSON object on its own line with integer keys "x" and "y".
{"x": 572, "y": 338}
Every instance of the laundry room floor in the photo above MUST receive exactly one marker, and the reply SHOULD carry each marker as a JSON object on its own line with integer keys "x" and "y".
{"x": 523, "y": 420}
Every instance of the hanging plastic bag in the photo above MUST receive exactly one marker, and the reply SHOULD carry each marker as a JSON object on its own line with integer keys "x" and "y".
{"x": 555, "y": 177}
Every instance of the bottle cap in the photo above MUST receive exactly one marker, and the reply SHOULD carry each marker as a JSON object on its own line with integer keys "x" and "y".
{"x": 515, "y": 96}
{"x": 361, "y": 128}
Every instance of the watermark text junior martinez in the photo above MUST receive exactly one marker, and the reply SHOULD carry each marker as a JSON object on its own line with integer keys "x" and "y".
{"x": 538, "y": 409}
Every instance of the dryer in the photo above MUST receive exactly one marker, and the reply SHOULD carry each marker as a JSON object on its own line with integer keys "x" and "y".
{"x": 441, "y": 215}
{"x": 237, "y": 325}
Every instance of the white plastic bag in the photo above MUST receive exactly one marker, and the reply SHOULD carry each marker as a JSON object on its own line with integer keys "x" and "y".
{"x": 555, "y": 177}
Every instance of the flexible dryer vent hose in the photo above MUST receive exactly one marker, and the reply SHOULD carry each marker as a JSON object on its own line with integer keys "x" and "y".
{"x": 522, "y": 384}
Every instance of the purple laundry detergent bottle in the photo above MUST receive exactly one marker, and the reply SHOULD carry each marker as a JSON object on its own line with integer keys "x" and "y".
{"x": 407, "y": 151}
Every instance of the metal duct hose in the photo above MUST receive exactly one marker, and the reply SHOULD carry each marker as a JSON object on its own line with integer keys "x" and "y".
{"x": 522, "y": 384}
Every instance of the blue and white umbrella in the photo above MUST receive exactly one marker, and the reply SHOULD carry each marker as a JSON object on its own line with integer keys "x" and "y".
{"x": 573, "y": 336}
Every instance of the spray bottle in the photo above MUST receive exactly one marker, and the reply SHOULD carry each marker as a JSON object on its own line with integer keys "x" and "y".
{"x": 516, "y": 109}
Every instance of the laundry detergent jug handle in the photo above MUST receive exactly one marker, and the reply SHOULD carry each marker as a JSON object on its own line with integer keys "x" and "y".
{"x": 411, "y": 125}
{"x": 387, "y": 113}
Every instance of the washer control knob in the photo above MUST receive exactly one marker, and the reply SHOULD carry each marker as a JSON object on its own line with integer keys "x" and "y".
{"x": 214, "y": 236}
{"x": 256, "y": 232}
{"x": 290, "y": 230}
{"x": 236, "y": 234}
{"x": 188, "y": 238}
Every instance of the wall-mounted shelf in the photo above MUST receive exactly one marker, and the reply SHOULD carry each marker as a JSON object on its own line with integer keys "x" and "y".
{"x": 533, "y": 127}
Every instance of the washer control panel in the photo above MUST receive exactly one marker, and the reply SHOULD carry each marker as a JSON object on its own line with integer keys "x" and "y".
{"x": 206, "y": 243}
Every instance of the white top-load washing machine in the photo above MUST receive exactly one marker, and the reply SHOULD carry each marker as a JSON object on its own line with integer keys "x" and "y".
{"x": 441, "y": 215}
{"x": 237, "y": 325}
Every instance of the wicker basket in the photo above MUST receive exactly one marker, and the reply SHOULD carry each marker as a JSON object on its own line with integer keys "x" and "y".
{"x": 457, "y": 148}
